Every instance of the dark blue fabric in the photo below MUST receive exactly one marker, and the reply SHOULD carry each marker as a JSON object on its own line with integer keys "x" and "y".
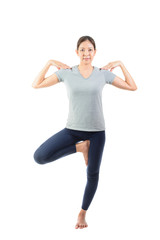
{"x": 63, "y": 143}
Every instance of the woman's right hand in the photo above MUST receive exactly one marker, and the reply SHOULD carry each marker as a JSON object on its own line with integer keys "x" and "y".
{"x": 58, "y": 64}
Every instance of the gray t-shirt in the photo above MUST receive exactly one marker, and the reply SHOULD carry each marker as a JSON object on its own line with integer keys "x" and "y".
{"x": 85, "y": 97}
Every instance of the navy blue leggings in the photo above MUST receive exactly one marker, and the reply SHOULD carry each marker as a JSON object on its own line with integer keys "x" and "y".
{"x": 63, "y": 143}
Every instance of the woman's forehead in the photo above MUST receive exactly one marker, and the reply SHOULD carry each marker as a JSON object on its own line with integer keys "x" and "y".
{"x": 86, "y": 44}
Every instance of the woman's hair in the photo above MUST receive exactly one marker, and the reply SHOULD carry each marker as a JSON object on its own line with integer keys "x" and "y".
{"x": 84, "y": 38}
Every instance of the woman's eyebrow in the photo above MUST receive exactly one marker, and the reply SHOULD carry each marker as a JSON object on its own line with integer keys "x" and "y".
{"x": 83, "y": 47}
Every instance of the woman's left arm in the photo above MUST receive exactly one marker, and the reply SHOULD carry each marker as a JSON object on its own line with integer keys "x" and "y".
{"x": 128, "y": 83}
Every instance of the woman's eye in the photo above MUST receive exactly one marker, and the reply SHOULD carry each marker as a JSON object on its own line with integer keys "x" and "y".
{"x": 89, "y": 49}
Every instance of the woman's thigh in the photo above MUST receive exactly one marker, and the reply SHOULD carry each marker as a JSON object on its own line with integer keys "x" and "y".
{"x": 97, "y": 143}
{"x": 58, "y": 143}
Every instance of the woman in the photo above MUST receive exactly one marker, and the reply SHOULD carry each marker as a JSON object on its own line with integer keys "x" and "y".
{"x": 85, "y": 123}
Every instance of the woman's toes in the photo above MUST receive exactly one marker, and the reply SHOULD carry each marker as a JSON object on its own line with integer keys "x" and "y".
{"x": 81, "y": 226}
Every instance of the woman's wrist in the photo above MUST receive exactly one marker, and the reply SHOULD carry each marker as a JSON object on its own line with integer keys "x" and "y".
{"x": 121, "y": 64}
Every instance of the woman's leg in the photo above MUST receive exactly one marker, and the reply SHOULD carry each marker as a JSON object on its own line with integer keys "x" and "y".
{"x": 97, "y": 143}
{"x": 59, "y": 145}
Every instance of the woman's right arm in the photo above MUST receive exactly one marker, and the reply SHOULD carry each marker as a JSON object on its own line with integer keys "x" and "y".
{"x": 40, "y": 81}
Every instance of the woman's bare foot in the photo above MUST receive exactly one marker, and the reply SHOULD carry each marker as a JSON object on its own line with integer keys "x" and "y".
{"x": 81, "y": 222}
{"x": 84, "y": 148}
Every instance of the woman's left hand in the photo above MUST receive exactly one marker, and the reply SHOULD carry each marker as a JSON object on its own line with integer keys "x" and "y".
{"x": 112, "y": 65}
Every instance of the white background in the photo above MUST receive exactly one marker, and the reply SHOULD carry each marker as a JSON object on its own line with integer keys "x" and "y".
{"x": 43, "y": 201}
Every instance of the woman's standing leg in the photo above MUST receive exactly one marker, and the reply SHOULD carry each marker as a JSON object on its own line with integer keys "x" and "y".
{"x": 97, "y": 142}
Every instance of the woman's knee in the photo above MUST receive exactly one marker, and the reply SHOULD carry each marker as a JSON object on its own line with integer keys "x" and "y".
{"x": 38, "y": 157}
{"x": 93, "y": 176}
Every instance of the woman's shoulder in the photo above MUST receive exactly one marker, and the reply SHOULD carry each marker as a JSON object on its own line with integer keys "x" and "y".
{"x": 71, "y": 69}
{"x": 97, "y": 68}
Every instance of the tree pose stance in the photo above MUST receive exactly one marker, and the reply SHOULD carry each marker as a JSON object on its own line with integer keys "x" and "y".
{"x": 85, "y": 128}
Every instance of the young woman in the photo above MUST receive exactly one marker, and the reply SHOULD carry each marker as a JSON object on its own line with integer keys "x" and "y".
{"x": 85, "y": 128}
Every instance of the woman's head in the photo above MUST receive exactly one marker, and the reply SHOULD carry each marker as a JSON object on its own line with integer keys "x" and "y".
{"x": 86, "y": 38}
{"x": 86, "y": 49}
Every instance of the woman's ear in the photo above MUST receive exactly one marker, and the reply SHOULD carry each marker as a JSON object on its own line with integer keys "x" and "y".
{"x": 76, "y": 51}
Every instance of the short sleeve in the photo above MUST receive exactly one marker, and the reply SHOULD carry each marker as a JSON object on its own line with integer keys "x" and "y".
{"x": 61, "y": 74}
{"x": 109, "y": 76}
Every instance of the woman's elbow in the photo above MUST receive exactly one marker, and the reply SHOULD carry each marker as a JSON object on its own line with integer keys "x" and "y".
{"x": 35, "y": 85}
{"x": 134, "y": 88}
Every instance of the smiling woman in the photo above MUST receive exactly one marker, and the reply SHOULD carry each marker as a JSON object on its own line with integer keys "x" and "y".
{"x": 86, "y": 50}
{"x": 84, "y": 84}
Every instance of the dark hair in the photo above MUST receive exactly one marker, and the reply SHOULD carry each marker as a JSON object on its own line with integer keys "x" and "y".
{"x": 84, "y": 38}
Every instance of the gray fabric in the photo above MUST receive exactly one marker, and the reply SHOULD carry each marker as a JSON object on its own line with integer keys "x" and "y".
{"x": 85, "y": 97}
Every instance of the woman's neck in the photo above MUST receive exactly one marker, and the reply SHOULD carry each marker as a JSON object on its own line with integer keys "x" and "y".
{"x": 85, "y": 68}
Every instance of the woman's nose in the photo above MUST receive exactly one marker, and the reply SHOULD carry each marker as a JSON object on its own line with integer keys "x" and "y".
{"x": 86, "y": 53}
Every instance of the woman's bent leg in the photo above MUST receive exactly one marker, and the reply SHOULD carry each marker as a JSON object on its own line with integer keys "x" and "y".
{"x": 97, "y": 143}
{"x": 59, "y": 145}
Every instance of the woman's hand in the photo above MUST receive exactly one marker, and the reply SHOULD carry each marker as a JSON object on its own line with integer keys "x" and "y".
{"x": 58, "y": 64}
{"x": 112, "y": 65}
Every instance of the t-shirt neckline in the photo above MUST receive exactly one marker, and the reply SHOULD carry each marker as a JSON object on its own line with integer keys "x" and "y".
{"x": 81, "y": 74}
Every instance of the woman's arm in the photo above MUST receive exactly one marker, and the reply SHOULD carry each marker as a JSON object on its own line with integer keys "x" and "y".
{"x": 128, "y": 83}
{"x": 40, "y": 81}
{"x": 40, "y": 77}
{"x": 128, "y": 78}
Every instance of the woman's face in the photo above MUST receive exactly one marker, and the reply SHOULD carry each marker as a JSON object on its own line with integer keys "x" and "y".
{"x": 86, "y": 52}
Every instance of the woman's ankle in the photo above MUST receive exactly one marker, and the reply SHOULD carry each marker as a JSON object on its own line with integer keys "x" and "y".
{"x": 83, "y": 212}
